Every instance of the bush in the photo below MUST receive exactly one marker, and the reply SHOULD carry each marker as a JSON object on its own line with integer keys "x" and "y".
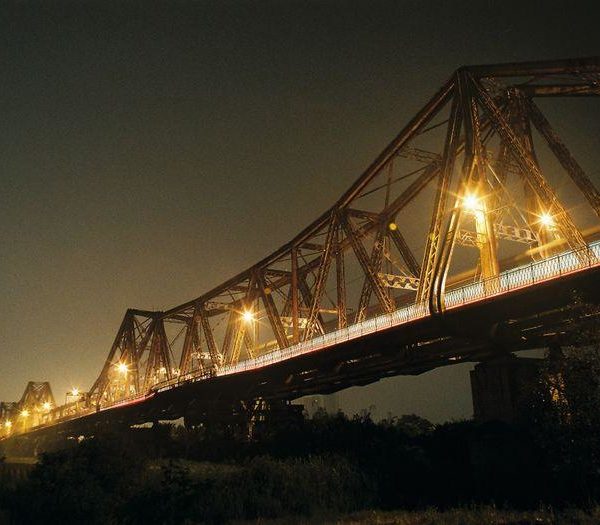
{"x": 264, "y": 487}
{"x": 80, "y": 485}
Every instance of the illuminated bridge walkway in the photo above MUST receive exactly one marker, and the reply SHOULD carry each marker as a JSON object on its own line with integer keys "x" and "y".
{"x": 512, "y": 280}
{"x": 452, "y": 246}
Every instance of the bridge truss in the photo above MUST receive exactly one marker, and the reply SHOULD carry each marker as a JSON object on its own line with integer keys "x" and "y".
{"x": 461, "y": 195}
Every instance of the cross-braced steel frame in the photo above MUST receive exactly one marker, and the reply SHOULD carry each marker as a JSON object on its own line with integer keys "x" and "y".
{"x": 474, "y": 161}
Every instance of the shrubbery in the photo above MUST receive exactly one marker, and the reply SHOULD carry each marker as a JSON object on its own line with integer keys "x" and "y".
{"x": 97, "y": 484}
{"x": 263, "y": 487}
{"x": 329, "y": 464}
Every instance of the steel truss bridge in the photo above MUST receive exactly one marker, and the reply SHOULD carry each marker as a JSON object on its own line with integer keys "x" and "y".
{"x": 455, "y": 244}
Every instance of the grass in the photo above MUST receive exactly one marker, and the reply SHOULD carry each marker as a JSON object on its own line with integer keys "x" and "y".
{"x": 195, "y": 469}
{"x": 461, "y": 516}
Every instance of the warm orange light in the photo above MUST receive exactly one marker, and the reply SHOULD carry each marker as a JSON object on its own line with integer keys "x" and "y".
{"x": 547, "y": 220}
{"x": 24, "y": 413}
{"x": 248, "y": 316}
{"x": 392, "y": 226}
{"x": 122, "y": 368}
{"x": 47, "y": 406}
{"x": 8, "y": 423}
{"x": 471, "y": 202}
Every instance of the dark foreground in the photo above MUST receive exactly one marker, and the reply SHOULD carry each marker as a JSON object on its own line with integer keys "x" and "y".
{"x": 329, "y": 468}
{"x": 464, "y": 516}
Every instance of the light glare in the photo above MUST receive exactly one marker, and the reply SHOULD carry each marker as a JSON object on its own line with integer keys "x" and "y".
{"x": 546, "y": 220}
{"x": 470, "y": 202}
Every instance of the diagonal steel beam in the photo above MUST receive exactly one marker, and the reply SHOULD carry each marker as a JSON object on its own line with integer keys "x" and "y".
{"x": 375, "y": 266}
{"x": 294, "y": 296}
{"x": 407, "y": 255}
{"x": 307, "y": 300}
{"x": 272, "y": 313}
{"x": 340, "y": 279}
{"x": 440, "y": 201}
{"x": 213, "y": 351}
{"x": 386, "y": 303}
{"x": 540, "y": 186}
{"x": 322, "y": 274}
{"x": 565, "y": 157}
{"x": 189, "y": 341}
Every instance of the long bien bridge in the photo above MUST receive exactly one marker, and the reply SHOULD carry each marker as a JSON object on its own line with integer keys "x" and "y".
{"x": 472, "y": 235}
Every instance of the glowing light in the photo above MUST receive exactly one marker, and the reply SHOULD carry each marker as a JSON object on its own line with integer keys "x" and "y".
{"x": 47, "y": 406}
{"x": 8, "y": 423}
{"x": 75, "y": 392}
{"x": 248, "y": 316}
{"x": 392, "y": 226}
{"x": 546, "y": 220}
{"x": 122, "y": 369}
{"x": 471, "y": 202}
{"x": 24, "y": 413}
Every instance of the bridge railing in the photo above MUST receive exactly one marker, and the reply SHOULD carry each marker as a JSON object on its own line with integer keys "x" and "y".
{"x": 526, "y": 275}
{"x": 355, "y": 331}
{"x": 510, "y": 280}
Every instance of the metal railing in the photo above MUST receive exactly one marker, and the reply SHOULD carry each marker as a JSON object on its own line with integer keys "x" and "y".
{"x": 526, "y": 275}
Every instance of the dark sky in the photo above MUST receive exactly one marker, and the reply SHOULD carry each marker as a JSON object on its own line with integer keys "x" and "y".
{"x": 151, "y": 150}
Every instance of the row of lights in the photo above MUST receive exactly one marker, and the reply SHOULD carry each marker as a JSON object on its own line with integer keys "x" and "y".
{"x": 25, "y": 413}
{"x": 123, "y": 369}
{"x": 46, "y": 406}
{"x": 471, "y": 202}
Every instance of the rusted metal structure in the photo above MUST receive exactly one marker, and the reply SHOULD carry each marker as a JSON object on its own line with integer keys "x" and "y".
{"x": 476, "y": 157}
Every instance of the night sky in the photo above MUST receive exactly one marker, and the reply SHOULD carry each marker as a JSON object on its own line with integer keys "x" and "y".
{"x": 150, "y": 151}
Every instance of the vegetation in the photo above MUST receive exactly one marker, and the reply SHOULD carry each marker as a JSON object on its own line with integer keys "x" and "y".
{"x": 321, "y": 468}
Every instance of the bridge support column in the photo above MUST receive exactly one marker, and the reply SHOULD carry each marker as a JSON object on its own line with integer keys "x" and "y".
{"x": 499, "y": 385}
